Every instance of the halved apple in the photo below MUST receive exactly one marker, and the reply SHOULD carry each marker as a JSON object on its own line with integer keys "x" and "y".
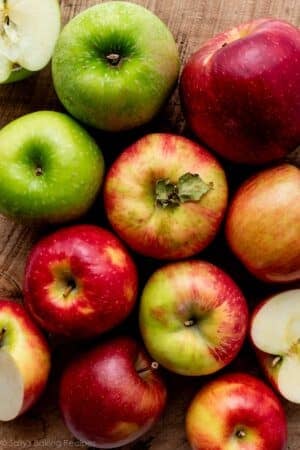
{"x": 24, "y": 361}
{"x": 29, "y": 30}
{"x": 275, "y": 332}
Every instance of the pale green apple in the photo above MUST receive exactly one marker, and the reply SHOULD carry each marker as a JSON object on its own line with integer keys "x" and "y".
{"x": 28, "y": 34}
{"x": 114, "y": 65}
{"x": 50, "y": 168}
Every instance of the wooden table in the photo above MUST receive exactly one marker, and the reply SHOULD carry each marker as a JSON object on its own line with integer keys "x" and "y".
{"x": 192, "y": 22}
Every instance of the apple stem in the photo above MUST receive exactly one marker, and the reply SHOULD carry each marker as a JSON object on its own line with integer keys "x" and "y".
{"x": 68, "y": 291}
{"x": 189, "y": 323}
{"x": 38, "y": 171}
{"x": 114, "y": 59}
{"x": 154, "y": 366}
{"x": 276, "y": 361}
{"x": 2, "y": 333}
{"x": 240, "y": 434}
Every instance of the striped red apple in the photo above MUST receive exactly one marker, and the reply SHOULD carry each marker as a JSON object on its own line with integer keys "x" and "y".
{"x": 166, "y": 196}
{"x": 236, "y": 412}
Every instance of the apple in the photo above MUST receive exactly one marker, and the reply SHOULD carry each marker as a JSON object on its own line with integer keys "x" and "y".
{"x": 115, "y": 65}
{"x": 275, "y": 333}
{"x": 240, "y": 91}
{"x": 236, "y": 412}
{"x": 79, "y": 282}
{"x": 112, "y": 395}
{"x": 50, "y": 168}
{"x": 166, "y": 196}
{"x": 24, "y": 361}
{"x": 193, "y": 317}
{"x": 263, "y": 224}
{"x": 26, "y": 44}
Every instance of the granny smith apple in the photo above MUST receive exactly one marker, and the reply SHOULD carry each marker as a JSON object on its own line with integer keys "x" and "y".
{"x": 50, "y": 168}
{"x": 114, "y": 65}
{"x": 26, "y": 44}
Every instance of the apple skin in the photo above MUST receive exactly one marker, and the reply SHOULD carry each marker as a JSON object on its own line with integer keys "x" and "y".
{"x": 171, "y": 232}
{"x": 263, "y": 224}
{"x": 50, "y": 168}
{"x": 80, "y": 281}
{"x": 104, "y": 401}
{"x": 18, "y": 74}
{"x": 236, "y": 403}
{"x": 199, "y": 292}
{"x": 124, "y": 95}
{"x": 29, "y": 349}
{"x": 240, "y": 91}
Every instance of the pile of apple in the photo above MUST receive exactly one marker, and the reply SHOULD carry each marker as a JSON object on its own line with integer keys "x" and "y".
{"x": 165, "y": 197}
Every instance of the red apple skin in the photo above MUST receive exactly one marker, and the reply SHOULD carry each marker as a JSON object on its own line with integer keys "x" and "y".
{"x": 29, "y": 349}
{"x": 103, "y": 271}
{"x": 263, "y": 224}
{"x": 231, "y": 403}
{"x": 240, "y": 91}
{"x": 105, "y": 402}
{"x": 129, "y": 195}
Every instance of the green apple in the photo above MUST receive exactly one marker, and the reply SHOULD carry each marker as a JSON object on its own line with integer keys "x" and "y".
{"x": 26, "y": 44}
{"x": 50, "y": 168}
{"x": 115, "y": 65}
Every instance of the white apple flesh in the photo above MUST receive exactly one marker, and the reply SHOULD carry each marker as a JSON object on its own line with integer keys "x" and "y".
{"x": 275, "y": 330}
{"x": 26, "y": 41}
{"x": 24, "y": 361}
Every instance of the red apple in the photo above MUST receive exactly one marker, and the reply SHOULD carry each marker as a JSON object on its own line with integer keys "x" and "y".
{"x": 80, "y": 281}
{"x": 263, "y": 224}
{"x": 275, "y": 333}
{"x": 166, "y": 196}
{"x": 112, "y": 395}
{"x": 236, "y": 412}
{"x": 240, "y": 91}
{"x": 193, "y": 317}
{"x": 24, "y": 361}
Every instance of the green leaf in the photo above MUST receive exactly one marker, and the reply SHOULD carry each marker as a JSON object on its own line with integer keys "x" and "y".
{"x": 191, "y": 187}
{"x": 166, "y": 193}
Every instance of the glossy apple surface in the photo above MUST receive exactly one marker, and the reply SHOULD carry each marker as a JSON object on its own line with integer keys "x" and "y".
{"x": 111, "y": 395}
{"x": 26, "y": 44}
{"x": 80, "y": 281}
{"x": 193, "y": 317}
{"x": 24, "y": 361}
{"x": 50, "y": 168}
{"x": 275, "y": 333}
{"x": 236, "y": 412}
{"x": 114, "y": 65}
{"x": 240, "y": 91}
{"x": 263, "y": 224}
{"x": 166, "y": 196}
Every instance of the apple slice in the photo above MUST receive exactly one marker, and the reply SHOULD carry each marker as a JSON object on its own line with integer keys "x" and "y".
{"x": 24, "y": 361}
{"x": 275, "y": 332}
{"x": 29, "y": 31}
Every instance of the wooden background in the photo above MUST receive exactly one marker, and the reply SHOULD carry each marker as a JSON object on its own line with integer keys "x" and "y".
{"x": 192, "y": 22}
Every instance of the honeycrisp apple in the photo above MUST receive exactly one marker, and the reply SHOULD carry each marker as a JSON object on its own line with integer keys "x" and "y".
{"x": 112, "y": 395}
{"x": 166, "y": 196}
{"x": 275, "y": 332}
{"x": 114, "y": 65}
{"x": 193, "y": 317}
{"x": 236, "y": 412}
{"x": 80, "y": 281}
{"x": 50, "y": 168}
{"x": 24, "y": 361}
{"x": 240, "y": 91}
{"x": 263, "y": 224}
{"x": 28, "y": 33}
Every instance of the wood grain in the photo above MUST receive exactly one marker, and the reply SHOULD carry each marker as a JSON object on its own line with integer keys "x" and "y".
{"x": 192, "y": 22}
